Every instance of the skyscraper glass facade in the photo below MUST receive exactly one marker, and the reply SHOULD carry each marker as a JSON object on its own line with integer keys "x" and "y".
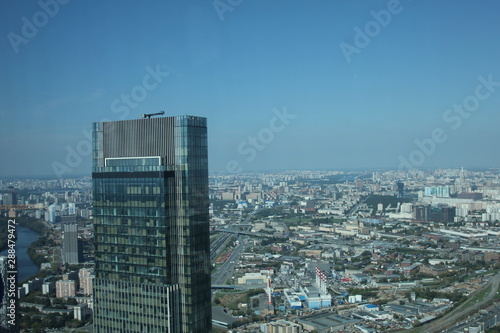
{"x": 150, "y": 188}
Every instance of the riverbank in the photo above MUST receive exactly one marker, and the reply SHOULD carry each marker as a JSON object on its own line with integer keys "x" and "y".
{"x": 36, "y": 225}
{"x": 44, "y": 241}
{"x": 28, "y": 222}
{"x": 25, "y": 266}
{"x": 32, "y": 236}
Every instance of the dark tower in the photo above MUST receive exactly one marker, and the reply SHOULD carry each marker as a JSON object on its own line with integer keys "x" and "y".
{"x": 152, "y": 244}
{"x": 401, "y": 189}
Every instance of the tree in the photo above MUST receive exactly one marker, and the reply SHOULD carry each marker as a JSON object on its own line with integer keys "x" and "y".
{"x": 74, "y": 323}
{"x": 71, "y": 301}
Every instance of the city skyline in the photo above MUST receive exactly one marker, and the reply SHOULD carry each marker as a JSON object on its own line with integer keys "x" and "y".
{"x": 328, "y": 85}
{"x": 433, "y": 229}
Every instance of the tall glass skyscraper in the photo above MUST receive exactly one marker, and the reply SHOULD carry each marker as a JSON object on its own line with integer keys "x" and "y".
{"x": 152, "y": 244}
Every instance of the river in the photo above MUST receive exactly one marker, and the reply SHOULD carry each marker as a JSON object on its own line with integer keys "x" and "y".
{"x": 26, "y": 267}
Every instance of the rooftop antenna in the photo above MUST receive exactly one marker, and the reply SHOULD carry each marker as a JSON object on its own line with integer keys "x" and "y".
{"x": 149, "y": 115}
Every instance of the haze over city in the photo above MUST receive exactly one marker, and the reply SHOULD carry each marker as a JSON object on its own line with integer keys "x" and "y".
{"x": 249, "y": 166}
{"x": 284, "y": 85}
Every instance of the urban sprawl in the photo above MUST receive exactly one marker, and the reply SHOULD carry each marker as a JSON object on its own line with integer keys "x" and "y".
{"x": 295, "y": 251}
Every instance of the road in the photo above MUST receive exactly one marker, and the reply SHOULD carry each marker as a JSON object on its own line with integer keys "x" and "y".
{"x": 464, "y": 309}
{"x": 355, "y": 207}
{"x": 226, "y": 270}
{"x": 216, "y": 246}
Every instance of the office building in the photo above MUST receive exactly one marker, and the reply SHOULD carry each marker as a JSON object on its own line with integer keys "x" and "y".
{"x": 11, "y": 197}
{"x": 71, "y": 208}
{"x": 70, "y": 248}
{"x": 448, "y": 214}
{"x": 422, "y": 213}
{"x": 401, "y": 189}
{"x": 152, "y": 244}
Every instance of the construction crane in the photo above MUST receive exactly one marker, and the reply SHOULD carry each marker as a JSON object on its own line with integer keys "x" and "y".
{"x": 30, "y": 206}
{"x": 149, "y": 115}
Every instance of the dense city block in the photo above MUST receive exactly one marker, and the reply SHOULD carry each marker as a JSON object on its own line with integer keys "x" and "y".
{"x": 305, "y": 251}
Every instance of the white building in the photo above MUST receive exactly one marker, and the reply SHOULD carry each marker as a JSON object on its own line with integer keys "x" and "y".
{"x": 86, "y": 276}
{"x": 80, "y": 312}
{"x": 71, "y": 208}
{"x": 65, "y": 288}
{"x": 52, "y": 213}
{"x": 47, "y": 288}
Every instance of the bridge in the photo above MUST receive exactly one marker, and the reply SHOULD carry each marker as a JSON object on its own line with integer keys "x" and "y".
{"x": 225, "y": 286}
{"x": 247, "y": 233}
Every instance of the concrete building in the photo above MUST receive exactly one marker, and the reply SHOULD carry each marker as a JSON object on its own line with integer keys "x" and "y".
{"x": 257, "y": 279}
{"x": 281, "y": 326}
{"x": 32, "y": 285}
{"x": 81, "y": 312}
{"x": 48, "y": 287}
{"x": 65, "y": 288}
{"x": 85, "y": 277}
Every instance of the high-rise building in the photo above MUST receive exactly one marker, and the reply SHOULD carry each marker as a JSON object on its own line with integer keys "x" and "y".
{"x": 52, "y": 213}
{"x": 401, "y": 189}
{"x": 152, "y": 244}
{"x": 448, "y": 214}
{"x": 85, "y": 277}
{"x": 422, "y": 213}
{"x": 65, "y": 288}
{"x": 11, "y": 197}
{"x": 71, "y": 208}
{"x": 70, "y": 245}
{"x": 438, "y": 191}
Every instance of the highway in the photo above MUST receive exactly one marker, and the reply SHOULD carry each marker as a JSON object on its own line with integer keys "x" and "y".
{"x": 226, "y": 270}
{"x": 216, "y": 246}
{"x": 463, "y": 310}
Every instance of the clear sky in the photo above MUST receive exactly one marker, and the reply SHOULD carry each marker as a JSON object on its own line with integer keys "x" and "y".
{"x": 324, "y": 84}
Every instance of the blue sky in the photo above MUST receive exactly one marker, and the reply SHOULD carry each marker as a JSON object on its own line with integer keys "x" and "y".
{"x": 240, "y": 62}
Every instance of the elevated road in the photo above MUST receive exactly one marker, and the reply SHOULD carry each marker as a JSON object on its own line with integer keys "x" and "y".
{"x": 246, "y": 233}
